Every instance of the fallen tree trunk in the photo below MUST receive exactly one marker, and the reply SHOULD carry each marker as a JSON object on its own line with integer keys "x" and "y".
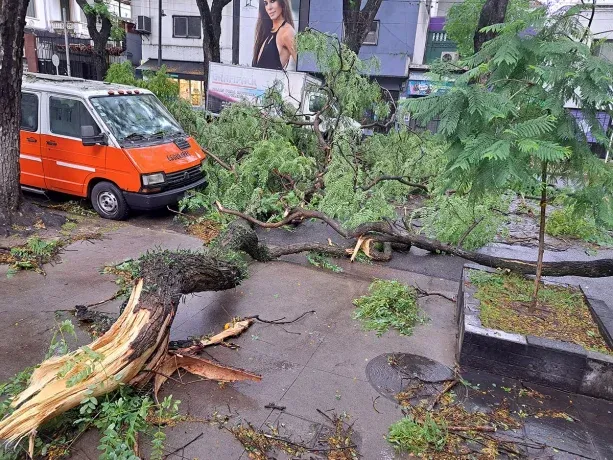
{"x": 389, "y": 232}
{"x": 135, "y": 347}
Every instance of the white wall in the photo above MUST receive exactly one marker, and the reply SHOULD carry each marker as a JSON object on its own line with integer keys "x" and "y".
{"x": 421, "y": 33}
{"x": 174, "y": 48}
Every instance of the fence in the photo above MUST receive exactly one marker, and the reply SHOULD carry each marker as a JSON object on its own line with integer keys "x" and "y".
{"x": 80, "y": 51}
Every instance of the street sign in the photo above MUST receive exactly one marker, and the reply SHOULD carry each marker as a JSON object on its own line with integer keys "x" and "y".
{"x": 55, "y": 59}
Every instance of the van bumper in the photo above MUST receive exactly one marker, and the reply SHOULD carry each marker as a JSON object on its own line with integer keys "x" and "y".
{"x": 144, "y": 201}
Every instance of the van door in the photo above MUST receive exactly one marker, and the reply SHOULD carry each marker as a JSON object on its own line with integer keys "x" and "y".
{"x": 67, "y": 162}
{"x": 30, "y": 159}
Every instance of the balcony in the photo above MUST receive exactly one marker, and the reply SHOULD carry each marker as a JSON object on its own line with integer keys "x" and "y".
{"x": 439, "y": 46}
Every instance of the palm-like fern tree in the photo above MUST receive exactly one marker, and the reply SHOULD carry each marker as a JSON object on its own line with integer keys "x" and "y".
{"x": 507, "y": 120}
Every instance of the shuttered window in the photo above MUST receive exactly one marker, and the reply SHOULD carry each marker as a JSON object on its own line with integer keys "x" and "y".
{"x": 186, "y": 26}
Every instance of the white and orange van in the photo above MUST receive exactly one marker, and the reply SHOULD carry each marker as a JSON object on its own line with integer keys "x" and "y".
{"x": 114, "y": 144}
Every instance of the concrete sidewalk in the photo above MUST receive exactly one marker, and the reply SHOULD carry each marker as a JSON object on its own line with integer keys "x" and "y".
{"x": 317, "y": 363}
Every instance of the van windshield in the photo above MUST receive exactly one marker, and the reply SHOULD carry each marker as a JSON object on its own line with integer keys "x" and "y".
{"x": 135, "y": 118}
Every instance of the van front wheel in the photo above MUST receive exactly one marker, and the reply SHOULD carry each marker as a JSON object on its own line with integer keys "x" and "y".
{"x": 108, "y": 201}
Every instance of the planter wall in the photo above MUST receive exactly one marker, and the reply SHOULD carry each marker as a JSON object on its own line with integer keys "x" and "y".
{"x": 554, "y": 363}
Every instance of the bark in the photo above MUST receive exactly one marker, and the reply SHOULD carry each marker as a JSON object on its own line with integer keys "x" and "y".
{"x": 493, "y": 12}
{"x": 100, "y": 38}
{"x": 541, "y": 246}
{"x": 395, "y": 234}
{"x": 357, "y": 21}
{"x": 12, "y": 23}
{"x": 133, "y": 349}
{"x": 211, "y": 32}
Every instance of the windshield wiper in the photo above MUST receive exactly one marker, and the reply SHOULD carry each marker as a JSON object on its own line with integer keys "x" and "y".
{"x": 163, "y": 133}
{"x": 133, "y": 137}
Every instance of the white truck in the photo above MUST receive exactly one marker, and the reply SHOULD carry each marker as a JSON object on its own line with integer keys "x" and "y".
{"x": 233, "y": 83}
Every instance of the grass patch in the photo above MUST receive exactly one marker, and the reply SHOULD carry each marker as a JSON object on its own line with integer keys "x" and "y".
{"x": 561, "y": 313}
{"x": 390, "y": 304}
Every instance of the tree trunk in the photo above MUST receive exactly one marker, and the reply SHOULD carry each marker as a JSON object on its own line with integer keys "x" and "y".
{"x": 541, "y": 247}
{"x": 493, "y": 12}
{"x": 135, "y": 347}
{"x": 211, "y": 32}
{"x": 357, "y": 22}
{"x": 12, "y": 23}
{"x": 388, "y": 232}
{"x": 100, "y": 38}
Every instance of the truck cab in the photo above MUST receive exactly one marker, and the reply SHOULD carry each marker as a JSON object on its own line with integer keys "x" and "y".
{"x": 116, "y": 145}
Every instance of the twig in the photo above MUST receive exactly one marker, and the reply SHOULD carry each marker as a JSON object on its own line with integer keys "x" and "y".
{"x": 113, "y": 297}
{"x": 373, "y": 404}
{"x": 485, "y": 428}
{"x": 278, "y": 321}
{"x": 184, "y": 446}
{"x": 424, "y": 293}
{"x": 445, "y": 389}
{"x": 401, "y": 179}
{"x": 222, "y": 163}
{"x": 182, "y": 213}
{"x": 468, "y": 230}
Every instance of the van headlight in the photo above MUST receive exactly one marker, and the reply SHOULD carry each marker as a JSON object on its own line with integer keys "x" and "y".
{"x": 152, "y": 179}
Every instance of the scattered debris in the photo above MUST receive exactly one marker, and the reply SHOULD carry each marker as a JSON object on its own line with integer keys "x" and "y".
{"x": 334, "y": 442}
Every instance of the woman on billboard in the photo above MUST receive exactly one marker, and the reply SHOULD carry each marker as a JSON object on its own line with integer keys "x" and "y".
{"x": 274, "y": 36}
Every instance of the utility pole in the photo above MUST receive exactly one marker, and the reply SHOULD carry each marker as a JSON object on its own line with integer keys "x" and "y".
{"x": 160, "y": 34}
{"x": 66, "y": 42}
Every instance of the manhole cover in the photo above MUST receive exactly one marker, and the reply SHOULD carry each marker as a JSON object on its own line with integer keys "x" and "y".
{"x": 413, "y": 375}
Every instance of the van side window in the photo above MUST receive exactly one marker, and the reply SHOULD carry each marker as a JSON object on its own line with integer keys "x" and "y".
{"x": 29, "y": 112}
{"x": 66, "y": 116}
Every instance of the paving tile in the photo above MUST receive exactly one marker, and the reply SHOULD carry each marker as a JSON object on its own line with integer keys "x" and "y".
{"x": 315, "y": 389}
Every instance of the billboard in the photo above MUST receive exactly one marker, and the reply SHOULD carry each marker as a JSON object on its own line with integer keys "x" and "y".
{"x": 269, "y": 33}
{"x": 233, "y": 83}
{"x": 427, "y": 87}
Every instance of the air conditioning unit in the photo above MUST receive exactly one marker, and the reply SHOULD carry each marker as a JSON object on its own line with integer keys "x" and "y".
{"x": 449, "y": 56}
{"x": 143, "y": 24}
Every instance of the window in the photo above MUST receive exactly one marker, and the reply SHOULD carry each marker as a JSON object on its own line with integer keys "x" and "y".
{"x": 29, "y": 112}
{"x": 66, "y": 117}
{"x": 605, "y": 50}
{"x": 373, "y": 35}
{"x": 186, "y": 26}
{"x": 31, "y": 12}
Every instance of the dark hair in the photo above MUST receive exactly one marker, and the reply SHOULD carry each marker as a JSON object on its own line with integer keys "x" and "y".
{"x": 264, "y": 25}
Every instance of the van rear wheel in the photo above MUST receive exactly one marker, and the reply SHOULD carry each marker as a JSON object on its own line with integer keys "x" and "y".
{"x": 108, "y": 201}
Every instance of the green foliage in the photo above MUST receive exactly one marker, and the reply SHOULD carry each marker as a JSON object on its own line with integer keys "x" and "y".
{"x": 390, "y": 304}
{"x": 506, "y": 117}
{"x": 408, "y": 435}
{"x": 100, "y": 9}
{"x": 322, "y": 261}
{"x": 462, "y": 20}
{"x": 59, "y": 342}
{"x": 567, "y": 222}
{"x": 451, "y": 218}
{"x": 157, "y": 82}
{"x": 33, "y": 255}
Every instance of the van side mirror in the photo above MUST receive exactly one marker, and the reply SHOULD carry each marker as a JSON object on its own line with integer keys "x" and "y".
{"x": 89, "y": 136}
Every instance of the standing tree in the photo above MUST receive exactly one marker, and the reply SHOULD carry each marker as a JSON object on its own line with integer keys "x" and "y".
{"x": 211, "y": 27}
{"x": 493, "y": 12}
{"x": 109, "y": 29}
{"x": 357, "y": 21}
{"x": 507, "y": 123}
{"x": 12, "y": 23}
{"x": 462, "y": 19}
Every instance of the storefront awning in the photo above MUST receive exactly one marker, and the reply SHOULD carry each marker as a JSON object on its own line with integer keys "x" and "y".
{"x": 183, "y": 69}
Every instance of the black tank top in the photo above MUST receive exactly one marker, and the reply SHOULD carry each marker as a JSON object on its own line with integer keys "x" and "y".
{"x": 269, "y": 57}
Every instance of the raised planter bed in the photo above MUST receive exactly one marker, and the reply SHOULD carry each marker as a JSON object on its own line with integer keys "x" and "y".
{"x": 559, "y": 364}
